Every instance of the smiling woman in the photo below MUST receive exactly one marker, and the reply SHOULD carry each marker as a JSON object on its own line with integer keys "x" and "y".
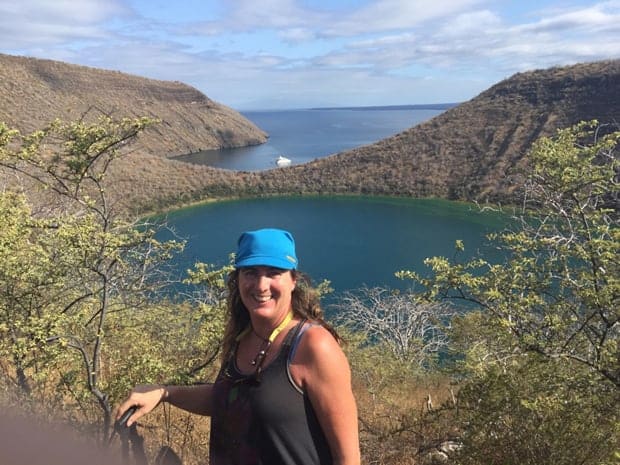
{"x": 283, "y": 394}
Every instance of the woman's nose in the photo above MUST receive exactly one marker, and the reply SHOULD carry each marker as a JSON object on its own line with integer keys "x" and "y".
{"x": 262, "y": 281}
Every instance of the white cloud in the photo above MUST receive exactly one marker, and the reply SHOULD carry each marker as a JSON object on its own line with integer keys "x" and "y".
{"x": 294, "y": 20}
{"x": 298, "y": 34}
{"x": 66, "y": 11}
{"x": 595, "y": 18}
{"x": 40, "y": 22}
{"x": 386, "y": 15}
{"x": 474, "y": 23}
{"x": 481, "y": 41}
{"x": 248, "y": 15}
{"x": 396, "y": 50}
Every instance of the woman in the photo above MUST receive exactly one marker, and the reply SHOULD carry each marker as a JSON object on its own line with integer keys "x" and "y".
{"x": 283, "y": 394}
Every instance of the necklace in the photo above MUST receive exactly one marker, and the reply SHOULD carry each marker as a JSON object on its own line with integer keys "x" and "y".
{"x": 259, "y": 336}
{"x": 258, "y": 360}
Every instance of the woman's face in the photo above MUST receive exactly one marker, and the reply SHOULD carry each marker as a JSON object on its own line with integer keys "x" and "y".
{"x": 266, "y": 291}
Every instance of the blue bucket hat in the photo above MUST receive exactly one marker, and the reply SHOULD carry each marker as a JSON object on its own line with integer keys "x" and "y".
{"x": 266, "y": 247}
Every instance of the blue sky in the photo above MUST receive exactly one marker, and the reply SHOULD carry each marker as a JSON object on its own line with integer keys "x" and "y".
{"x": 266, "y": 54}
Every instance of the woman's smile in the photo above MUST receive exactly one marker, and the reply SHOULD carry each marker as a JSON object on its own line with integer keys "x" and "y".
{"x": 264, "y": 287}
{"x": 261, "y": 298}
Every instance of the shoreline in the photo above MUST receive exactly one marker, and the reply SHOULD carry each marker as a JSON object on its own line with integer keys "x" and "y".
{"x": 496, "y": 208}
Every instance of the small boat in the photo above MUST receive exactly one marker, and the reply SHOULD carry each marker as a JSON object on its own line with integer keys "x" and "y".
{"x": 282, "y": 161}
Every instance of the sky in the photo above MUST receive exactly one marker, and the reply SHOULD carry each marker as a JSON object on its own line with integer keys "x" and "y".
{"x": 281, "y": 54}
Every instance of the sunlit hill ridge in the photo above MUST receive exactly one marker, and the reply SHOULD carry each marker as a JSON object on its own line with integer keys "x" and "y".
{"x": 470, "y": 152}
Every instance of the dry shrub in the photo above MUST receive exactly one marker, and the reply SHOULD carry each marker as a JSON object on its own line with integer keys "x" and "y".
{"x": 398, "y": 424}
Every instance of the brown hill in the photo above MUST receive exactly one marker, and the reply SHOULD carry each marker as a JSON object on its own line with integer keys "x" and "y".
{"x": 471, "y": 151}
{"x": 33, "y": 92}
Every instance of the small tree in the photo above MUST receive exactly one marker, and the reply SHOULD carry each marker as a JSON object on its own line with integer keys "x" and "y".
{"x": 393, "y": 342}
{"x": 524, "y": 408}
{"x": 81, "y": 261}
{"x": 558, "y": 292}
{"x": 413, "y": 331}
{"x": 31, "y": 281}
{"x": 541, "y": 352}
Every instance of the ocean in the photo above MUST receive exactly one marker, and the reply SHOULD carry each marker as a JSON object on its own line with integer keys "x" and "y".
{"x": 306, "y": 134}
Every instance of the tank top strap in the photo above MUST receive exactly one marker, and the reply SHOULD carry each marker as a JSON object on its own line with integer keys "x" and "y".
{"x": 306, "y": 325}
{"x": 292, "y": 336}
{"x": 291, "y": 340}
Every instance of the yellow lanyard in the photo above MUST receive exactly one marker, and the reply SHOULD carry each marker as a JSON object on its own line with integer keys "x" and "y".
{"x": 281, "y": 326}
{"x": 275, "y": 332}
{"x": 262, "y": 353}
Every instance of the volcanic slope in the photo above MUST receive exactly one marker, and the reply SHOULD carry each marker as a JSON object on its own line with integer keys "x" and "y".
{"x": 34, "y": 91}
{"x": 472, "y": 151}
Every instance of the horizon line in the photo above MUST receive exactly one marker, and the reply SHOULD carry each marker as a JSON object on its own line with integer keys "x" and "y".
{"x": 417, "y": 106}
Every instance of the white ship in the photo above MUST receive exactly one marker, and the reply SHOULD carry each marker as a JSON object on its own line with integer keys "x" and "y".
{"x": 282, "y": 161}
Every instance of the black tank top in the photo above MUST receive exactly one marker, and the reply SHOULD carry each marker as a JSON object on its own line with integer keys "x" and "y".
{"x": 270, "y": 422}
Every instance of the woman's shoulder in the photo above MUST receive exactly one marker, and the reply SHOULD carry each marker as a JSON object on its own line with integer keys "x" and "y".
{"x": 316, "y": 341}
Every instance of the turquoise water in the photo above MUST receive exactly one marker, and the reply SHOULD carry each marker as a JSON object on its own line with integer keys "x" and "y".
{"x": 351, "y": 241}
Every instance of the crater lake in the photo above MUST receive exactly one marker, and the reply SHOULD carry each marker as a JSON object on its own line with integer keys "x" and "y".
{"x": 350, "y": 241}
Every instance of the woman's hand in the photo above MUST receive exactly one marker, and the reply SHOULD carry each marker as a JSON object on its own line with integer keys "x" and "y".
{"x": 145, "y": 398}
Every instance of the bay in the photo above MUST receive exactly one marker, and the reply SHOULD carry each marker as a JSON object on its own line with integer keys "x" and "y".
{"x": 306, "y": 134}
{"x": 351, "y": 241}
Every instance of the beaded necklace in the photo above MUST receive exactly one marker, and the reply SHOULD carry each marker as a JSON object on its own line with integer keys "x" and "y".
{"x": 266, "y": 344}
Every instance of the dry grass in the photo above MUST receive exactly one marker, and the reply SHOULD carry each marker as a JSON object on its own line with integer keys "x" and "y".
{"x": 33, "y": 92}
{"x": 471, "y": 152}
{"x": 397, "y": 427}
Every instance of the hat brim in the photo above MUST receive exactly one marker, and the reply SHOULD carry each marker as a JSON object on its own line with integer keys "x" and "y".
{"x": 258, "y": 260}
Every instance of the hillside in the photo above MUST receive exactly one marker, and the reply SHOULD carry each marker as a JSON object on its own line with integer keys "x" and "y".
{"x": 33, "y": 92}
{"x": 471, "y": 151}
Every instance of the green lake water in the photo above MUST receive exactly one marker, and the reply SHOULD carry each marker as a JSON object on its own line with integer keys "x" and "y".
{"x": 351, "y": 241}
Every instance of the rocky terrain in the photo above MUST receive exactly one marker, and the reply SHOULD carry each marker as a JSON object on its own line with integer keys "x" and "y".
{"x": 33, "y": 92}
{"x": 471, "y": 152}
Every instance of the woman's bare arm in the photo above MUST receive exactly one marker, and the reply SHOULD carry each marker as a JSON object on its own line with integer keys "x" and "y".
{"x": 194, "y": 399}
{"x": 323, "y": 372}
